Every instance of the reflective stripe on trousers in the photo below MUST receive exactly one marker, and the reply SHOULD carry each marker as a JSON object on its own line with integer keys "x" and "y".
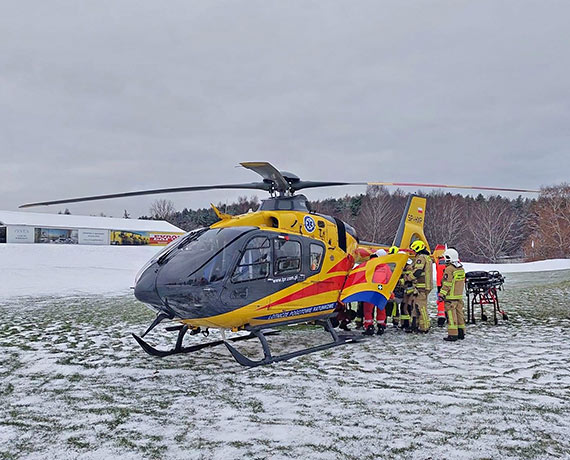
{"x": 455, "y": 317}
{"x": 420, "y": 310}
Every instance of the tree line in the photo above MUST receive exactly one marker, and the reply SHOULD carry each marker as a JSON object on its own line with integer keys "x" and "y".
{"x": 482, "y": 229}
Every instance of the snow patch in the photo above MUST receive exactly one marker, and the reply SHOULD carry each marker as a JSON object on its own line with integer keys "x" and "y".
{"x": 538, "y": 266}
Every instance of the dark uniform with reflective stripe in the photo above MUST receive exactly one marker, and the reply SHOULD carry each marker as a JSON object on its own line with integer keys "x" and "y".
{"x": 452, "y": 293}
{"x": 408, "y": 291}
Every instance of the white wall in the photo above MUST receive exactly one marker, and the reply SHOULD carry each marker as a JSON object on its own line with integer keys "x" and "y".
{"x": 93, "y": 236}
{"x": 19, "y": 234}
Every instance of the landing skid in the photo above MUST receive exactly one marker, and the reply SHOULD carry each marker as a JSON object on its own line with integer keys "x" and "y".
{"x": 268, "y": 358}
{"x": 178, "y": 349}
{"x": 260, "y": 334}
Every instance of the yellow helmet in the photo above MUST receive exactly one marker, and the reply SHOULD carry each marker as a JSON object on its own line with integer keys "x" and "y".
{"x": 417, "y": 246}
{"x": 393, "y": 250}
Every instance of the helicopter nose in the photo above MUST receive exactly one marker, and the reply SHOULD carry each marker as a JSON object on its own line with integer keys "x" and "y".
{"x": 145, "y": 287}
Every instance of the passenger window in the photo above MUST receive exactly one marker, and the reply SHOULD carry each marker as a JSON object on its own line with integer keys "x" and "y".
{"x": 316, "y": 258}
{"x": 255, "y": 262}
{"x": 383, "y": 273}
{"x": 287, "y": 256}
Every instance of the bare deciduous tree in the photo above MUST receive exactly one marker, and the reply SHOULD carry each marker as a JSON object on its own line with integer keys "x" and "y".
{"x": 162, "y": 209}
{"x": 550, "y": 224}
{"x": 378, "y": 217}
{"x": 244, "y": 204}
{"x": 491, "y": 229}
{"x": 445, "y": 219}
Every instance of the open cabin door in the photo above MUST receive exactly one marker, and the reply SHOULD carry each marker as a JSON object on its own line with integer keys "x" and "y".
{"x": 374, "y": 281}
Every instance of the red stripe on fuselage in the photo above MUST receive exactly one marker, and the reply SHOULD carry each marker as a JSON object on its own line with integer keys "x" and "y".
{"x": 343, "y": 266}
{"x": 332, "y": 284}
{"x": 356, "y": 278}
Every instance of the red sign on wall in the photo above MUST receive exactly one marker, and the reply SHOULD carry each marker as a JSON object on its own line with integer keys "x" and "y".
{"x": 162, "y": 238}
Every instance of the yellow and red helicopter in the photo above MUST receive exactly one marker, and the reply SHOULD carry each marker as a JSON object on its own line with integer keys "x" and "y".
{"x": 280, "y": 265}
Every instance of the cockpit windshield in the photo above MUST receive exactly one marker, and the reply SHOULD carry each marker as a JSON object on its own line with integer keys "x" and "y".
{"x": 161, "y": 256}
{"x": 178, "y": 243}
{"x": 205, "y": 257}
{"x": 210, "y": 243}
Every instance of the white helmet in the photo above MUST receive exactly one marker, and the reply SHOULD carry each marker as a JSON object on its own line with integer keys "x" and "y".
{"x": 381, "y": 252}
{"x": 451, "y": 255}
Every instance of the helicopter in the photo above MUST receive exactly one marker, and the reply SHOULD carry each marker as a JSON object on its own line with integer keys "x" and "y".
{"x": 281, "y": 265}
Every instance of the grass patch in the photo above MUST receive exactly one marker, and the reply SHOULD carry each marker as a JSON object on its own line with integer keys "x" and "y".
{"x": 78, "y": 443}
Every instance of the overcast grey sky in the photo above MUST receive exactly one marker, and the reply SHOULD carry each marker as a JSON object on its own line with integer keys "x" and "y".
{"x": 109, "y": 96}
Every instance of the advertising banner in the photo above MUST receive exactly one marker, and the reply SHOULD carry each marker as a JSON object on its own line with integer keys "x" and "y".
{"x": 162, "y": 239}
{"x": 20, "y": 234}
{"x": 93, "y": 236}
{"x": 123, "y": 238}
{"x": 56, "y": 235}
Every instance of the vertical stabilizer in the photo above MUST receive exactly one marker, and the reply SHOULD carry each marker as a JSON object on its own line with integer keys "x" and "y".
{"x": 412, "y": 223}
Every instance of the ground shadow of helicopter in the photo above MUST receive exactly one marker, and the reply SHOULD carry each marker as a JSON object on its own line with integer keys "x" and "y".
{"x": 280, "y": 265}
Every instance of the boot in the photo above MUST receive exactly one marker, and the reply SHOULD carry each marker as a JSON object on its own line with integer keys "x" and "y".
{"x": 405, "y": 324}
{"x": 358, "y": 324}
{"x": 381, "y": 329}
{"x": 411, "y": 327}
{"x": 461, "y": 334}
{"x": 344, "y": 326}
{"x": 369, "y": 330}
{"x": 414, "y": 326}
{"x": 451, "y": 338}
{"x": 440, "y": 321}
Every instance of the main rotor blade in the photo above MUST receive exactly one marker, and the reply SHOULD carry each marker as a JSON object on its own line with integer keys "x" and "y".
{"x": 269, "y": 173}
{"x": 464, "y": 187}
{"x": 315, "y": 184}
{"x": 252, "y": 185}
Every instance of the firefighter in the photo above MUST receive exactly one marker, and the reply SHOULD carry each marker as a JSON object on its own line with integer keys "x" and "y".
{"x": 396, "y": 298}
{"x": 452, "y": 295}
{"x": 440, "y": 267}
{"x": 407, "y": 292}
{"x": 421, "y": 278}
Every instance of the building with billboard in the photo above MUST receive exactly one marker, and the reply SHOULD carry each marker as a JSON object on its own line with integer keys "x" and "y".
{"x": 26, "y": 227}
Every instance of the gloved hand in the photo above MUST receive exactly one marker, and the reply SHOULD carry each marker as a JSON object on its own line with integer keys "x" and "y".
{"x": 440, "y": 298}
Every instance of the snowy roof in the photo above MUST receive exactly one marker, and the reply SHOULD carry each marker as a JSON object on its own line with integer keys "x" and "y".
{"x": 37, "y": 219}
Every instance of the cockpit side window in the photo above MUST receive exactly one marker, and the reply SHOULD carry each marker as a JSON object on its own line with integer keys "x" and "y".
{"x": 255, "y": 262}
{"x": 287, "y": 256}
{"x": 316, "y": 256}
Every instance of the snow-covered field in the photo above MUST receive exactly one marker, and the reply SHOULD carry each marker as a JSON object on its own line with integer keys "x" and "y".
{"x": 55, "y": 270}
{"x": 74, "y": 384}
{"x": 50, "y": 269}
